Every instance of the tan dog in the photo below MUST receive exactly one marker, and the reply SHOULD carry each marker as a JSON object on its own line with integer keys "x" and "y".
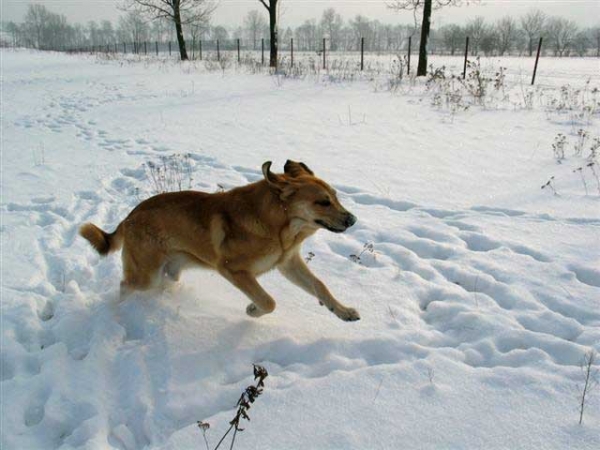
{"x": 241, "y": 233}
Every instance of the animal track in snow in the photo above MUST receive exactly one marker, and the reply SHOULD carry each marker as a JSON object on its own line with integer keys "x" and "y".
{"x": 586, "y": 275}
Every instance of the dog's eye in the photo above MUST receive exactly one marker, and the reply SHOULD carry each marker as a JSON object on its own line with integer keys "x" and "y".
{"x": 323, "y": 202}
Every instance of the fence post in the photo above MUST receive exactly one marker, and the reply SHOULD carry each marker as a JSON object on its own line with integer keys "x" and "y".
{"x": 145, "y": 48}
{"x": 238, "y": 49}
{"x": 323, "y": 53}
{"x": 408, "y": 60}
{"x": 193, "y": 48}
{"x": 362, "y": 53}
{"x": 124, "y": 48}
{"x": 156, "y": 45}
{"x": 262, "y": 58}
{"x": 466, "y": 55}
{"x": 169, "y": 48}
{"x": 292, "y": 50}
{"x": 218, "y": 51}
{"x": 537, "y": 57}
{"x": 200, "y": 48}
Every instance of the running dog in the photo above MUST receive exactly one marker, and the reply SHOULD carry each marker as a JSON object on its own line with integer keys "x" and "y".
{"x": 241, "y": 233}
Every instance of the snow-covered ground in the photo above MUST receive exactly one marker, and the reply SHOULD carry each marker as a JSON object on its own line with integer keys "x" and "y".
{"x": 478, "y": 300}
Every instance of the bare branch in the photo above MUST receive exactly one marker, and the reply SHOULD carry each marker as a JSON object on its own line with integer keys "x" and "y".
{"x": 265, "y": 5}
{"x": 147, "y": 6}
{"x": 590, "y": 380}
{"x": 413, "y": 5}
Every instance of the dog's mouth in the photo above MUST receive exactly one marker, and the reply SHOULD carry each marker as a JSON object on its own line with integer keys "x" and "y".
{"x": 329, "y": 227}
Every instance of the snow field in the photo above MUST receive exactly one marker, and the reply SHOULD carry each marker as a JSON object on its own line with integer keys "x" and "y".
{"x": 478, "y": 301}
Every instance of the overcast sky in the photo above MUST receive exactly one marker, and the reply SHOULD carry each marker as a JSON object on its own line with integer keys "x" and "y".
{"x": 231, "y": 12}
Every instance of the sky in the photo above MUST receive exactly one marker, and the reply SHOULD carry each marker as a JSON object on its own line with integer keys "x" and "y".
{"x": 231, "y": 12}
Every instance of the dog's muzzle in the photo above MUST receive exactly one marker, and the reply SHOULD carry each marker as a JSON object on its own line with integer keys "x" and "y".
{"x": 350, "y": 220}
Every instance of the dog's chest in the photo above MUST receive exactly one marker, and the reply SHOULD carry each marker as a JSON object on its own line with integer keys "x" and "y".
{"x": 278, "y": 250}
{"x": 293, "y": 235}
{"x": 265, "y": 263}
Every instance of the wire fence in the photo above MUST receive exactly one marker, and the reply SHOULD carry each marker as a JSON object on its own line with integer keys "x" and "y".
{"x": 258, "y": 50}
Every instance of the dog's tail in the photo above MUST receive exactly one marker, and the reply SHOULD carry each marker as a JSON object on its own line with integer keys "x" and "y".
{"x": 103, "y": 242}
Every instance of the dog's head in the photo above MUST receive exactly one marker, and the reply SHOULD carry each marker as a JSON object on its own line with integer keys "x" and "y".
{"x": 308, "y": 198}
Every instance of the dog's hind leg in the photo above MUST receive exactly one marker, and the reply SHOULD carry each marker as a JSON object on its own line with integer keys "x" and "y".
{"x": 140, "y": 271}
{"x": 262, "y": 302}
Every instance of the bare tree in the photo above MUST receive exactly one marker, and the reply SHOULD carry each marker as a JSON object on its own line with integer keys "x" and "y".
{"x": 596, "y": 37}
{"x": 288, "y": 34}
{"x": 582, "y": 41}
{"x": 238, "y": 33}
{"x": 489, "y": 40}
{"x": 378, "y": 35}
{"x": 271, "y": 6}
{"x": 331, "y": 25}
{"x": 197, "y": 29}
{"x": 107, "y": 32}
{"x": 562, "y": 33}
{"x": 132, "y": 27}
{"x": 452, "y": 36}
{"x": 94, "y": 33}
{"x": 36, "y": 20}
{"x": 255, "y": 24}
{"x": 160, "y": 30}
{"x": 44, "y": 29}
{"x": 427, "y": 5}
{"x": 14, "y": 30}
{"x": 361, "y": 27}
{"x": 78, "y": 35}
{"x": 219, "y": 33}
{"x": 307, "y": 35}
{"x": 476, "y": 30}
{"x": 533, "y": 25}
{"x": 507, "y": 33}
{"x": 180, "y": 12}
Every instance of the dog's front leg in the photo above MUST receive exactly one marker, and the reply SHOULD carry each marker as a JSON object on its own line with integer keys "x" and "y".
{"x": 296, "y": 270}
{"x": 262, "y": 302}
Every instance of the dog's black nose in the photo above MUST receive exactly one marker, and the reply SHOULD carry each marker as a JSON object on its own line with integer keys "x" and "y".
{"x": 350, "y": 220}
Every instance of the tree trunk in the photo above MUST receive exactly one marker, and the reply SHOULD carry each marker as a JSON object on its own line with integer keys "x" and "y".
{"x": 422, "y": 67}
{"x": 179, "y": 29}
{"x": 273, "y": 30}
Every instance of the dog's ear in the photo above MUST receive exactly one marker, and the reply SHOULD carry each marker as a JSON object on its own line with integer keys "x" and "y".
{"x": 295, "y": 169}
{"x": 272, "y": 179}
{"x": 278, "y": 183}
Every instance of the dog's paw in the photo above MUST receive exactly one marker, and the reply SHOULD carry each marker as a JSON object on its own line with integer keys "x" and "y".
{"x": 253, "y": 311}
{"x": 348, "y": 314}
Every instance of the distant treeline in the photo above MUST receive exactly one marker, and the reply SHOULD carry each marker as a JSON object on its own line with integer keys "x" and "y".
{"x": 43, "y": 29}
